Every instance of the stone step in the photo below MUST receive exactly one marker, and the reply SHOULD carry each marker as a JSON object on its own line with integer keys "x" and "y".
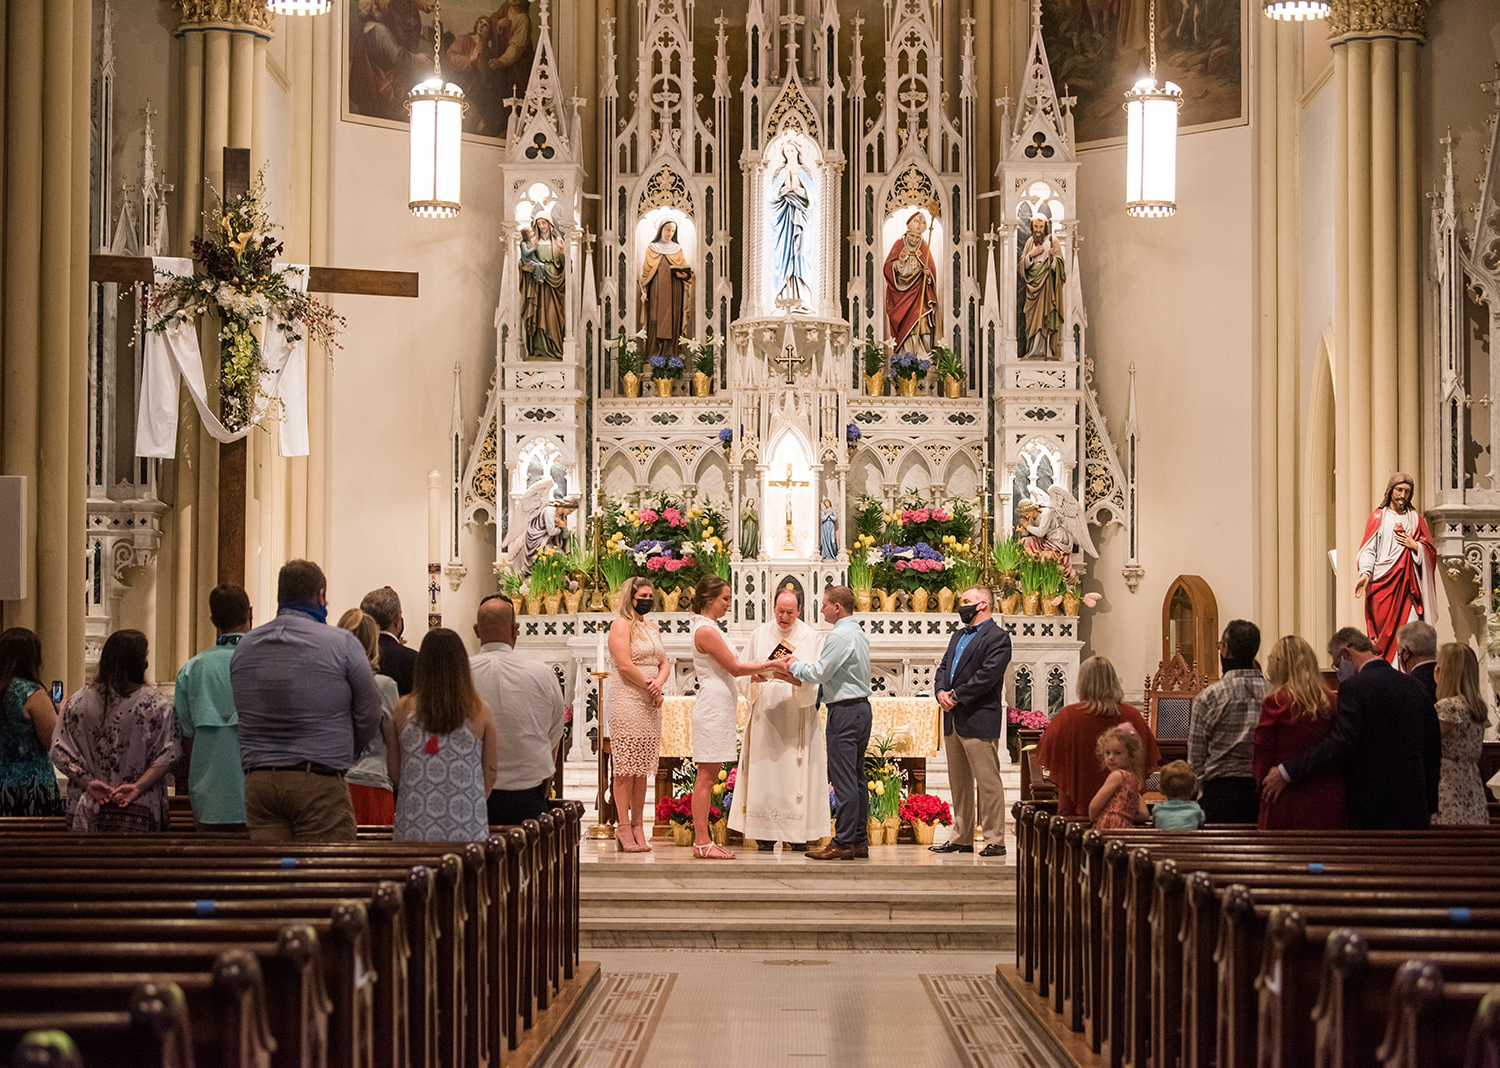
{"x": 902, "y": 898}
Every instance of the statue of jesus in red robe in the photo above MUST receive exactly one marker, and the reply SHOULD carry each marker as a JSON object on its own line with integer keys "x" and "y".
{"x": 1396, "y": 564}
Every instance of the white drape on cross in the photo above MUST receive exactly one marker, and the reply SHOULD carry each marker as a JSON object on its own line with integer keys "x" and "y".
{"x": 174, "y": 352}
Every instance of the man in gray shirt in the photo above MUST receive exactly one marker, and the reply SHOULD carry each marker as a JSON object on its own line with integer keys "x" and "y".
{"x": 307, "y": 706}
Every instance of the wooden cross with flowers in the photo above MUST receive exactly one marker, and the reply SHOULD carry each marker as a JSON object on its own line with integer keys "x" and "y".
{"x": 237, "y": 281}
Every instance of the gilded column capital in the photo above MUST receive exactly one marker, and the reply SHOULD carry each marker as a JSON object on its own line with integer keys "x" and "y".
{"x": 1378, "y": 18}
{"x": 251, "y": 13}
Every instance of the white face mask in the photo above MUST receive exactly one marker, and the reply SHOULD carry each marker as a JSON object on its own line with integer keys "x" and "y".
{"x": 1345, "y": 667}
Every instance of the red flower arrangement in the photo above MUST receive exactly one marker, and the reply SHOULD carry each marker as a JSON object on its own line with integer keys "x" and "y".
{"x": 680, "y": 810}
{"x": 926, "y": 808}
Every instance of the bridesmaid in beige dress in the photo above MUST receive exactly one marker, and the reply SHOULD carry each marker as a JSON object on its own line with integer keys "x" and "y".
{"x": 634, "y": 709}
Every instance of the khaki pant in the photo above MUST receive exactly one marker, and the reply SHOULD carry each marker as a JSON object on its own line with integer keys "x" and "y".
{"x": 974, "y": 761}
{"x": 286, "y": 806}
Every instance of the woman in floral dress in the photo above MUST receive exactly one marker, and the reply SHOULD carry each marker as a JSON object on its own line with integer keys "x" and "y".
{"x": 441, "y": 750}
{"x": 28, "y": 785}
{"x": 117, "y": 740}
{"x": 1461, "y": 717}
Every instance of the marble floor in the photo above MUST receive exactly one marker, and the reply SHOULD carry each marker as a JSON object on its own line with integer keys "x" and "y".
{"x": 715, "y": 1008}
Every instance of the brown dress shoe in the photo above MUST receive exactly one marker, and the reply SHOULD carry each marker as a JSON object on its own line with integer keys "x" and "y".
{"x": 861, "y": 852}
{"x": 831, "y": 852}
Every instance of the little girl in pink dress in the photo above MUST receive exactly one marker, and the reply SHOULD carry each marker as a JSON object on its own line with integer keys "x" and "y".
{"x": 1118, "y": 803}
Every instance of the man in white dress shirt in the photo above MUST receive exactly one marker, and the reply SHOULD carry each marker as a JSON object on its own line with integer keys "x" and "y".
{"x": 781, "y": 791}
{"x": 526, "y": 700}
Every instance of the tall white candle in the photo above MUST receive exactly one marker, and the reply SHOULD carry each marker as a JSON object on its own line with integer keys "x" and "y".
{"x": 600, "y": 652}
{"x": 434, "y": 517}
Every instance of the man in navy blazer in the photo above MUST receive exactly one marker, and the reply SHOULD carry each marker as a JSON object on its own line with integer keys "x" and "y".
{"x": 1385, "y": 739}
{"x": 970, "y": 688}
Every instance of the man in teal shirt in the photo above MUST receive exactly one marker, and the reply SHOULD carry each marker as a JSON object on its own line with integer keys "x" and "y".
{"x": 210, "y": 727}
{"x": 843, "y": 670}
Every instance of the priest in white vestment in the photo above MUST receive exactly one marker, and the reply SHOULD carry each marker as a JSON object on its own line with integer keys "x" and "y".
{"x": 781, "y": 788}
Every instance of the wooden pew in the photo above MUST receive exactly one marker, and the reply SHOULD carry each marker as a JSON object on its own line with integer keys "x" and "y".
{"x": 1430, "y": 1019}
{"x": 291, "y": 965}
{"x": 476, "y": 969}
{"x": 409, "y": 999}
{"x": 150, "y": 1029}
{"x": 341, "y": 940}
{"x": 226, "y": 1006}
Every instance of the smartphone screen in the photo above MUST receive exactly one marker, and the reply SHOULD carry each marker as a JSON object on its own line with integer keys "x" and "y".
{"x": 57, "y": 691}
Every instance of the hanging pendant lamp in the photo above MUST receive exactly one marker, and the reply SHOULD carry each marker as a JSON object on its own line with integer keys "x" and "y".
{"x": 297, "y": 7}
{"x": 437, "y": 113}
{"x": 1295, "y": 10}
{"x": 1151, "y": 143}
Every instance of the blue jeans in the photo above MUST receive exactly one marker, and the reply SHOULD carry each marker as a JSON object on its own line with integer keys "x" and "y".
{"x": 847, "y": 736}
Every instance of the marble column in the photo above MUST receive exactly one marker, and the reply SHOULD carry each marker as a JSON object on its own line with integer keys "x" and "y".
{"x": 44, "y": 274}
{"x": 1375, "y": 296}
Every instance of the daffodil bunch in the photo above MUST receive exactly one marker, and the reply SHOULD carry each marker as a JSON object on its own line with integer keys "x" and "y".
{"x": 549, "y": 572}
{"x": 883, "y": 778}
{"x": 862, "y": 556}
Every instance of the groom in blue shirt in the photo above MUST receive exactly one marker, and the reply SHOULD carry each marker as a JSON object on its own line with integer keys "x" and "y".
{"x": 843, "y": 670}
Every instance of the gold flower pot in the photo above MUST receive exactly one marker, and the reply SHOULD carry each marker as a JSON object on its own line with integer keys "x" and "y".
{"x": 613, "y": 599}
{"x": 702, "y": 384}
{"x": 921, "y": 830}
{"x": 953, "y": 388}
{"x": 945, "y": 599}
{"x": 663, "y": 386}
{"x": 1071, "y": 603}
{"x": 875, "y": 384}
{"x": 669, "y": 599}
{"x": 1048, "y": 607}
{"x": 554, "y": 603}
{"x": 892, "y": 829}
{"x": 1010, "y": 604}
{"x": 1031, "y": 603}
{"x": 682, "y": 834}
{"x": 572, "y": 599}
{"x": 875, "y": 831}
{"x": 888, "y": 600}
{"x": 906, "y": 385}
{"x": 862, "y": 600}
{"x": 919, "y": 600}
{"x": 630, "y": 384}
{"x": 718, "y": 830}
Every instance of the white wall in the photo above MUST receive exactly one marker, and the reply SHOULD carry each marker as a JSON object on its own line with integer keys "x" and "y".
{"x": 391, "y": 392}
{"x": 1173, "y": 296}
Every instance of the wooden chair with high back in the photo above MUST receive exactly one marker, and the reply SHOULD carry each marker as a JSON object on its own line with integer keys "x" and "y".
{"x": 1169, "y": 711}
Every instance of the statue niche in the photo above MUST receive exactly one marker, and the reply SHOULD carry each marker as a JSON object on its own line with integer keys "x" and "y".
{"x": 1042, "y": 272}
{"x": 791, "y": 210}
{"x": 666, "y": 304}
{"x": 911, "y": 294}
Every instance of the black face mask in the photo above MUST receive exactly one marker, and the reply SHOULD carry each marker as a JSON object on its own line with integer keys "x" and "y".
{"x": 643, "y": 605}
{"x": 967, "y": 612}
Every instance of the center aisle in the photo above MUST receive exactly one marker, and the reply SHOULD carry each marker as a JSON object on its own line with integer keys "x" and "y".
{"x": 691, "y": 1008}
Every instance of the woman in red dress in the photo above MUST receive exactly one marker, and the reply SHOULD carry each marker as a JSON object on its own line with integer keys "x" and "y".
{"x": 1068, "y": 749}
{"x": 1297, "y": 715}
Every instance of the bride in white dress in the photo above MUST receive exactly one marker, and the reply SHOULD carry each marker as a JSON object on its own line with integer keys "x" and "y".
{"x": 715, "y": 726}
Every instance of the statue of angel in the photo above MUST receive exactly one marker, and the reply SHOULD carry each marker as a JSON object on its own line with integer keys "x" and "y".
{"x": 1057, "y": 528}
{"x": 538, "y": 519}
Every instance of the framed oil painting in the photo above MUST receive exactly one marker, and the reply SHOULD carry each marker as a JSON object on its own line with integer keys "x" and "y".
{"x": 487, "y": 50}
{"x": 1098, "y": 49}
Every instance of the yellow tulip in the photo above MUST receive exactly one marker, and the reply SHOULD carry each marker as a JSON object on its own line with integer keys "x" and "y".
{"x": 880, "y": 789}
{"x": 723, "y": 774}
{"x": 870, "y": 785}
{"x": 718, "y": 789}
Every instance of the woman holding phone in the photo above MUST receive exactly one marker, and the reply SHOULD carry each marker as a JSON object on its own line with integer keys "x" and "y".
{"x": 28, "y": 786}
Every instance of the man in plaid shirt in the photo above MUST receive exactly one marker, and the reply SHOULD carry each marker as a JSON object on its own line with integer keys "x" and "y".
{"x": 1222, "y": 729}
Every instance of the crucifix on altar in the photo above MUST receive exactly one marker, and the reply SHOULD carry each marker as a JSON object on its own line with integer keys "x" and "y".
{"x": 129, "y": 270}
{"x": 789, "y": 484}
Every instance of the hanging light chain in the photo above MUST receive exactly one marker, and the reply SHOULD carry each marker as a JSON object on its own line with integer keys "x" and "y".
{"x": 437, "y": 39}
{"x": 1153, "y": 40}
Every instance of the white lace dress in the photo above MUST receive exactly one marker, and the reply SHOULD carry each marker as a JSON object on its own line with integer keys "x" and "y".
{"x": 715, "y": 727}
